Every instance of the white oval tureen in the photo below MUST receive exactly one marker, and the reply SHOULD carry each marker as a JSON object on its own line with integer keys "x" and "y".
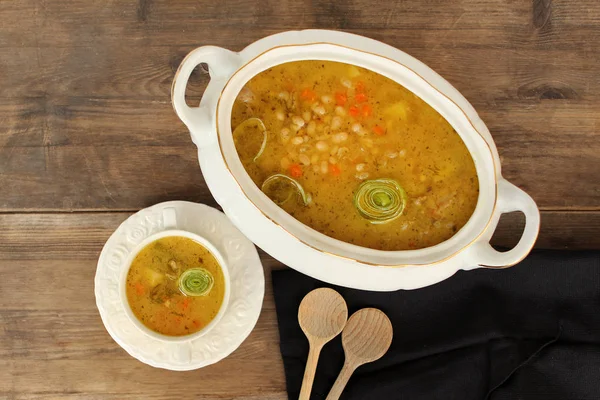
{"x": 305, "y": 249}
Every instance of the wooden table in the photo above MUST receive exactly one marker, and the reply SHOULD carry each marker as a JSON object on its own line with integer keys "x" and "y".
{"x": 88, "y": 136}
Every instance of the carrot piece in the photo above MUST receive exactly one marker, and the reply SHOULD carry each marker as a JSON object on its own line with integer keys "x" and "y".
{"x": 341, "y": 99}
{"x": 366, "y": 110}
{"x": 380, "y": 131}
{"x": 185, "y": 303}
{"x": 308, "y": 94}
{"x": 354, "y": 111}
{"x": 295, "y": 171}
{"x": 139, "y": 289}
{"x": 360, "y": 97}
{"x": 360, "y": 87}
{"x": 335, "y": 170}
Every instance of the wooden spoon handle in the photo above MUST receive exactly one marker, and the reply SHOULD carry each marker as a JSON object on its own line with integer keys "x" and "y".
{"x": 341, "y": 381}
{"x": 309, "y": 371}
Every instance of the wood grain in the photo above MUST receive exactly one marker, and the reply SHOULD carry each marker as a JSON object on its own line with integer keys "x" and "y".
{"x": 129, "y": 379}
{"x": 39, "y": 237}
{"x": 88, "y": 135}
{"x": 50, "y": 345}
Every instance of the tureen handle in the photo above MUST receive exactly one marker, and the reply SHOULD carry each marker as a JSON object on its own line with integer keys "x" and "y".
{"x": 510, "y": 198}
{"x": 222, "y": 63}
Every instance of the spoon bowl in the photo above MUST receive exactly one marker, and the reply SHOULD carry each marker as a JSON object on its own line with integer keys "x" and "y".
{"x": 366, "y": 338}
{"x": 323, "y": 313}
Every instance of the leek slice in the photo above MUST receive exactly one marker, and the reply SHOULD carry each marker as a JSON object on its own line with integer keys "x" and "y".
{"x": 281, "y": 188}
{"x": 196, "y": 282}
{"x": 247, "y": 141}
{"x": 380, "y": 200}
{"x": 245, "y": 138}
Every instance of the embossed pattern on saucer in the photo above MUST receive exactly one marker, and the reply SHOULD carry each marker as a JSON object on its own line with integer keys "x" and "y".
{"x": 247, "y": 287}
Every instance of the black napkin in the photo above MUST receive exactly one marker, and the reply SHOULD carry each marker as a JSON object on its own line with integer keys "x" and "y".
{"x": 530, "y": 332}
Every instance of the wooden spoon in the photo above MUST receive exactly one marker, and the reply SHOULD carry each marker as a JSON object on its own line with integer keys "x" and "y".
{"x": 366, "y": 338}
{"x": 322, "y": 316}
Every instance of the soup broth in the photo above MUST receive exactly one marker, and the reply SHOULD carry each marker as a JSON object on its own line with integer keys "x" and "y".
{"x": 354, "y": 155}
{"x": 159, "y": 278}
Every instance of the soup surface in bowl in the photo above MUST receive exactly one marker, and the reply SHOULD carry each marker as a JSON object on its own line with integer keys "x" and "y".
{"x": 175, "y": 286}
{"x": 354, "y": 155}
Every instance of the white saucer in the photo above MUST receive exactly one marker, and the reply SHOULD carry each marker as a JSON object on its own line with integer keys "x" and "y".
{"x": 245, "y": 303}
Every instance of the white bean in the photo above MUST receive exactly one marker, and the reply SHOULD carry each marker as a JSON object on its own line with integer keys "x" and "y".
{"x": 297, "y": 140}
{"x": 339, "y": 137}
{"x": 304, "y": 159}
{"x": 346, "y": 82}
{"x": 402, "y": 153}
{"x": 311, "y": 128}
{"x": 356, "y": 127}
{"x": 362, "y": 176}
{"x": 285, "y": 135}
{"x": 298, "y": 121}
{"x": 319, "y": 110}
{"x": 306, "y": 116}
{"x": 316, "y": 168}
{"x": 391, "y": 154}
{"x": 333, "y": 160}
{"x": 280, "y": 115}
{"x": 284, "y": 96}
{"x": 341, "y": 153}
{"x": 246, "y": 95}
{"x": 341, "y": 111}
{"x": 360, "y": 167}
{"x": 327, "y": 99}
{"x": 305, "y": 148}
{"x": 324, "y": 167}
{"x": 336, "y": 122}
{"x": 306, "y": 138}
{"x": 321, "y": 146}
